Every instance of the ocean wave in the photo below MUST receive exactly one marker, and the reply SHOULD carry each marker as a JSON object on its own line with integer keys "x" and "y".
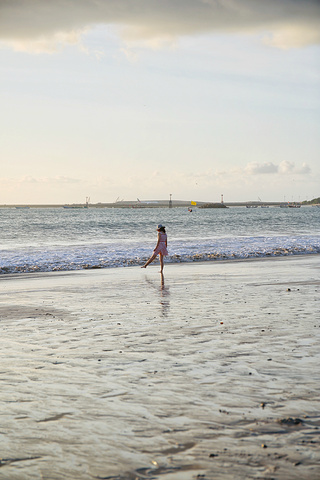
{"x": 89, "y": 258}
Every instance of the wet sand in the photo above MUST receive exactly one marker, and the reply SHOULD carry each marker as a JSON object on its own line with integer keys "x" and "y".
{"x": 212, "y": 374}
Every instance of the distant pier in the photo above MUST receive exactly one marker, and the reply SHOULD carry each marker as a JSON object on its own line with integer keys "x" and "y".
{"x": 147, "y": 204}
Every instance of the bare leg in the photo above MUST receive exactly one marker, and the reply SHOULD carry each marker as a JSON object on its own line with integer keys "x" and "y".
{"x": 149, "y": 261}
{"x": 161, "y": 262}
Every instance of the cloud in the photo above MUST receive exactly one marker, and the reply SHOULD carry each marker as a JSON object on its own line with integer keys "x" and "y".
{"x": 46, "y": 44}
{"x": 254, "y": 168}
{"x": 43, "y": 25}
{"x": 49, "y": 181}
{"x": 284, "y": 168}
{"x": 304, "y": 170}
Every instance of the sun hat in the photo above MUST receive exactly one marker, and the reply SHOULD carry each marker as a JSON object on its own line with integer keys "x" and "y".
{"x": 160, "y": 226}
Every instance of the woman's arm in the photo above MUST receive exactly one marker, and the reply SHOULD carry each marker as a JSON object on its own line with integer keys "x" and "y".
{"x": 157, "y": 242}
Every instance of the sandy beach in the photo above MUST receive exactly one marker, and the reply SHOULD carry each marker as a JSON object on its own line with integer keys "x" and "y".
{"x": 212, "y": 373}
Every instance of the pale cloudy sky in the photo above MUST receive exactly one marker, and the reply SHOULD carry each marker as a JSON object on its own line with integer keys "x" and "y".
{"x": 146, "y": 98}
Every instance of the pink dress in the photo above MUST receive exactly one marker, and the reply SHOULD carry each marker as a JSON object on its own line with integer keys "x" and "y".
{"x": 161, "y": 248}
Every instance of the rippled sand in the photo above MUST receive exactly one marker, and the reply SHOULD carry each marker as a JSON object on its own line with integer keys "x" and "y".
{"x": 212, "y": 374}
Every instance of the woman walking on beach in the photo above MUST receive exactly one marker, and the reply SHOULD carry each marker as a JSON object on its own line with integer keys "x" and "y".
{"x": 160, "y": 249}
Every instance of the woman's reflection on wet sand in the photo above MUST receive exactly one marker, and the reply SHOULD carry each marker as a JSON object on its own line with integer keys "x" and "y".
{"x": 163, "y": 294}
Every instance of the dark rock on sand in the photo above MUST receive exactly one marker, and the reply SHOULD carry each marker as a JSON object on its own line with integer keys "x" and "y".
{"x": 290, "y": 421}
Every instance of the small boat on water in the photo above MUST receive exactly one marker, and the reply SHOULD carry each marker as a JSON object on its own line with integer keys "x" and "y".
{"x": 290, "y": 205}
{"x": 294, "y": 205}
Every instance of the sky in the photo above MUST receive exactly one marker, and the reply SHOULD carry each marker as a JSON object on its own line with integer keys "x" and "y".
{"x": 126, "y": 99}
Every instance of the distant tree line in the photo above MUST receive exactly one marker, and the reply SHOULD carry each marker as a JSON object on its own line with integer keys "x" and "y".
{"x": 311, "y": 202}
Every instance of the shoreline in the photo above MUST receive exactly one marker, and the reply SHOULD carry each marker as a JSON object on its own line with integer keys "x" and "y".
{"x": 211, "y": 372}
{"x": 155, "y": 204}
{"x": 213, "y": 261}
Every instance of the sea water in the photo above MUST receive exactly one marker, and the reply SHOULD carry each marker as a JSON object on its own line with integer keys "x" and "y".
{"x": 50, "y": 239}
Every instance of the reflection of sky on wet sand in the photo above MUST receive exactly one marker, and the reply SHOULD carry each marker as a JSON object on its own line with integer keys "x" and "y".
{"x": 163, "y": 293}
{"x": 139, "y": 381}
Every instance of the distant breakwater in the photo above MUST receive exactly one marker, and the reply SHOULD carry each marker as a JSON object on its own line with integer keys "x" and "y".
{"x": 148, "y": 204}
